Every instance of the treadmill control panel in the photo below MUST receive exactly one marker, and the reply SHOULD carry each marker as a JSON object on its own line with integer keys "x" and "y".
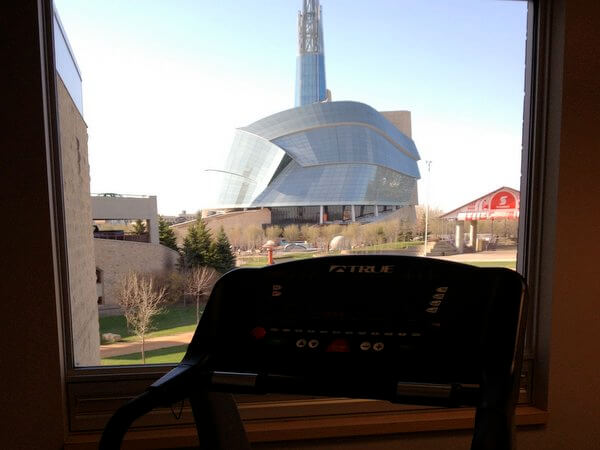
{"x": 385, "y": 319}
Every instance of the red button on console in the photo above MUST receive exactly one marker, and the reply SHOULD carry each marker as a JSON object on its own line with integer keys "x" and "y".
{"x": 338, "y": 345}
{"x": 258, "y": 333}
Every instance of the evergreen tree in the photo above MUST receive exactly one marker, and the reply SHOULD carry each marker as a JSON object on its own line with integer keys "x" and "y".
{"x": 166, "y": 235}
{"x": 197, "y": 246}
{"x": 222, "y": 258}
{"x": 139, "y": 227}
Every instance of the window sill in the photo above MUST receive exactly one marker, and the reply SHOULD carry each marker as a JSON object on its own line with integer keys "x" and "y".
{"x": 315, "y": 427}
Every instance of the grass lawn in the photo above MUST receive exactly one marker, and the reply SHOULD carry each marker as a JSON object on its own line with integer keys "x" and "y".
{"x": 389, "y": 246}
{"x": 166, "y": 355}
{"x": 254, "y": 261}
{"x": 508, "y": 264}
{"x": 260, "y": 261}
{"x": 176, "y": 319}
{"x": 296, "y": 255}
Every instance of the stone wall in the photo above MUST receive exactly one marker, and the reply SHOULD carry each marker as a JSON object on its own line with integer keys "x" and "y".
{"x": 116, "y": 258}
{"x": 400, "y": 119}
{"x": 78, "y": 218}
{"x": 236, "y": 219}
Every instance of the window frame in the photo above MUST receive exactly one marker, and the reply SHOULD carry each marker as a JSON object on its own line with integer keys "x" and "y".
{"x": 84, "y": 387}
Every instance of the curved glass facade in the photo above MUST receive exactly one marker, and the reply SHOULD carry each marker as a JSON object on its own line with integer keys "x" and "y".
{"x": 345, "y": 143}
{"x": 332, "y": 113}
{"x": 321, "y": 156}
{"x": 338, "y": 184}
{"x": 338, "y": 153}
{"x": 254, "y": 158}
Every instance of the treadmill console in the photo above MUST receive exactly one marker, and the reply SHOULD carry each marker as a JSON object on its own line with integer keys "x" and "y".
{"x": 366, "y": 320}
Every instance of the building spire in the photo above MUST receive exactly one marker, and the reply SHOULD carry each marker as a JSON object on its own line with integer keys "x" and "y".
{"x": 310, "y": 32}
{"x": 310, "y": 64}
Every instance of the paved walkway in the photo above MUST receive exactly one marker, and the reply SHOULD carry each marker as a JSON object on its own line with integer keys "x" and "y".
{"x": 489, "y": 255}
{"x": 125, "y": 348}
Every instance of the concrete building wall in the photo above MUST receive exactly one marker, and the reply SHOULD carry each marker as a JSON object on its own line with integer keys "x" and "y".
{"x": 400, "y": 119}
{"x": 116, "y": 258}
{"x": 236, "y": 219}
{"x": 128, "y": 207}
{"x": 78, "y": 218}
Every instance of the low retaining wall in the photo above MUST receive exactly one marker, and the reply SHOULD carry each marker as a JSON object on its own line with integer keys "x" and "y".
{"x": 115, "y": 258}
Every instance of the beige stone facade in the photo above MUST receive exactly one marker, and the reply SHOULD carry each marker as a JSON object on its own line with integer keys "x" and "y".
{"x": 400, "y": 119}
{"x": 78, "y": 218}
{"x": 115, "y": 258}
{"x": 235, "y": 219}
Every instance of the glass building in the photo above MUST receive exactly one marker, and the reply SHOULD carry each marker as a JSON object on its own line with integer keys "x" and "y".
{"x": 321, "y": 160}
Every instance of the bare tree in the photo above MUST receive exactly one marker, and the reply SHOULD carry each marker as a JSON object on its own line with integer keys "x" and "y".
{"x": 352, "y": 233}
{"x": 310, "y": 234}
{"x": 327, "y": 233}
{"x": 199, "y": 281}
{"x": 235, "y": 237}
{"x": 273, "y": 232}
{"x": 253, "y": 236}
{"x": 391, "y": 230}
{"x": 173, "y": 283}
{"x": 372, "y": 234}
{"x": 291, "y": 233}
{"x": 140, "y": 301}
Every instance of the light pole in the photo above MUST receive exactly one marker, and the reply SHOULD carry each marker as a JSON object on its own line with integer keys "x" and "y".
{"x": 428, "y": 163}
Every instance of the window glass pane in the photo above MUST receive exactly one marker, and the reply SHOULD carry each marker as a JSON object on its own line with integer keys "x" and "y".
{"x": 400, "y": 132}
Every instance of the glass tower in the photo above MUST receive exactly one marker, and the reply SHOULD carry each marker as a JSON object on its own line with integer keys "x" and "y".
{"x": 310, "y": 63}
{"x": 315, "y": 161}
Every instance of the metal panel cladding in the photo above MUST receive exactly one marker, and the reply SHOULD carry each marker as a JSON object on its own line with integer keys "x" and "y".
{"x": 323, "y": 153}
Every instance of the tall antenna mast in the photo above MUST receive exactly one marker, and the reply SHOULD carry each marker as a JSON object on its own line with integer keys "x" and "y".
{"x": 310, "y": 64}
{"x": 310, "y": 35}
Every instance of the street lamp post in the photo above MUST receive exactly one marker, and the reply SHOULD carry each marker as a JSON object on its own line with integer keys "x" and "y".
{"x": 427, "y": 205}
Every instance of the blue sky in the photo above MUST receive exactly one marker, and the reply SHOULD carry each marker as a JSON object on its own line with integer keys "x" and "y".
{"x": 166, "y": 82}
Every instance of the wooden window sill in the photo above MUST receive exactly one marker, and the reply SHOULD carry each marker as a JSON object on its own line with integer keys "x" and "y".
{"x": 313, "y": 427}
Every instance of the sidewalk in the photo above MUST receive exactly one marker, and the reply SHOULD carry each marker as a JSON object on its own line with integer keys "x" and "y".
{"x": 124, "y": 348}
{"x": 489, "y": 255}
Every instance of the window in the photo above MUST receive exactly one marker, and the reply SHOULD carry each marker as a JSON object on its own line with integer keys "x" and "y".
{"x": 360, "y": 166}
{"x": 101, "y": 373}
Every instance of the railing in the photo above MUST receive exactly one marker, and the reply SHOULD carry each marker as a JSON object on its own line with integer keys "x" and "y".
{"x": 115, "y": 195}
{"x": 121, "y": 236}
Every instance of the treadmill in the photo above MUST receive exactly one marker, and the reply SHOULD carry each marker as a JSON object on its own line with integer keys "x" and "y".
{"x": 397, "y": 328}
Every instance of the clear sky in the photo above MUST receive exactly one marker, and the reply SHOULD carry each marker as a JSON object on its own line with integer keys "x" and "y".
{"x": 165, "y": 83}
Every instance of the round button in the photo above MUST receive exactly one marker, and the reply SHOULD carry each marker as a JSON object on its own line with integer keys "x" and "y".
{"x": 366, "y": 345}
{"x": 313, "y": 343}
{"x": 301, "y": 343}
{"x": 258, "y": 333}
{"x": 378, "y": 346}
